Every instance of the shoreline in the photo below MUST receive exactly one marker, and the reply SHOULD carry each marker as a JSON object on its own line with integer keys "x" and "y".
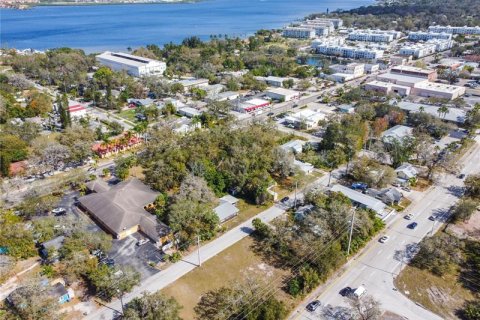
{"x": 27, "y": 6}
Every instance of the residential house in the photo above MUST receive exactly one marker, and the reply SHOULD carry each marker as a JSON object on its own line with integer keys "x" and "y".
{"x": 388, "y": 196}
{"x": 295, "y": 146}
{"x": 406, "y": 172}
{"x": 121, "y": 210}
{"x": 49, "y": 249}
{"x": 227, "y": 208}
{"x": 398, "y": 132}
{"x": 306, "y": 167}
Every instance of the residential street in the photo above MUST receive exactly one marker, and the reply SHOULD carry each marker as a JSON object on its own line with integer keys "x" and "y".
{"x": 379, "y": 264}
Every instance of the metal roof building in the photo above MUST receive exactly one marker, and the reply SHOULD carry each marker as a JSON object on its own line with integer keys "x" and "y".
{"x": 361, "y": 199}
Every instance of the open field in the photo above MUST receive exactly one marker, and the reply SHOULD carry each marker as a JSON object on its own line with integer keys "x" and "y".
{"x": 442, "y": 295}
{"x": 231, "y": 266}
{"x": 128, "y": 115}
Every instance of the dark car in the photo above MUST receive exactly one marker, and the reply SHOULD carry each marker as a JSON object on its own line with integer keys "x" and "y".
{"x": 461, "y": 176}
{"x": 345, "y": 292}
{"x": 312, "y": 306}
{"x": 270, "y": 114}
{"x": 108, "y": 262}
{"x": 359, "y": 186}
{"x": 285, "y": 199}
{"x": 412, "y": 225}
{"x": 431, "y": 218}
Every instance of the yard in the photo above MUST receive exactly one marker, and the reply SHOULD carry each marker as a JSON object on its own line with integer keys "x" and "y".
{"x": 128, "y": 115}
{"x": 231, "y": 266}
{"x": 442, "y": 295}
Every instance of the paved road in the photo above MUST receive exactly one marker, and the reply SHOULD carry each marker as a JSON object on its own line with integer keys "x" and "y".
{"x": 379, "y": 264}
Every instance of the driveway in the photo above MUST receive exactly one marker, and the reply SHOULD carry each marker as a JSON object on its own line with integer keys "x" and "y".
{"x": 125, "y": 252}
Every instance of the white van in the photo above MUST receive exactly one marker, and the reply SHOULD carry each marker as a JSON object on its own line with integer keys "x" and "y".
{"x": 359, "y": 292}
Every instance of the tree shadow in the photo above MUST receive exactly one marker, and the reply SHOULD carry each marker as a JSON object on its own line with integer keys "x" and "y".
{"x": 405, "y": 255}
{"x": 457, "y": 191}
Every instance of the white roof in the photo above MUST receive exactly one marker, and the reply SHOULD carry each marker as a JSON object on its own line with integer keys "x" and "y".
{"x": 398, "y": 132}
{"x": 294, "y": 144}
{"x": 190, "y": 110}
{"x": 257, "y": 102}
{"x": 401, "y": 77}
{"x": 283, "y": 91}
{"x": 225, "y": 211}
{"x": 438, "y": 87}
{"x": 454, "y": 114}
{"x": 355, "y": 196}
{"x": 127, "y": 59}
{"x": 228, "y": 198}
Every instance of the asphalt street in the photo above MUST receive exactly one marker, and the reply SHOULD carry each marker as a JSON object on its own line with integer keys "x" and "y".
{"x": 379, "y": 264}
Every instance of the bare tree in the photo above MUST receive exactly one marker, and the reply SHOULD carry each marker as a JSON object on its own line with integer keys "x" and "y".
{"x": 365, "y": 308}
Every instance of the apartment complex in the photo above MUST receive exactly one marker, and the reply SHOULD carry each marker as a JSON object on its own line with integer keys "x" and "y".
{"x": 370, "y": 36}
{"x": 343, "y": 73}
{"x": 134, "y": 65}
{"x": 299, "y": 32}
{"x": 329, "y": 48}
{"x": 455, "y": 30}
{"x": 419, "y": 50}
{"x": 424, "y": 36}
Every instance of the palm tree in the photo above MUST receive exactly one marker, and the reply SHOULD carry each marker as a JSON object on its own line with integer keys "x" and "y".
{"x": 443, "y": 110}
{"x": 421, "y": 109}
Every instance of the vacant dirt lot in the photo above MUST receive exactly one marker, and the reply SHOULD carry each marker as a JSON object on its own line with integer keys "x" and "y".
{"x": 231, "y": 266}
{"x": 442, "y": 295}
{"x": 469, "y": 229}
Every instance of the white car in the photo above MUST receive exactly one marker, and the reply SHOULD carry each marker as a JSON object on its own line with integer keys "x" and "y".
{"x": 142, "y": 242}
{"x": 383, "y": 239}
{"x": 409, "y": 216}
{"x": 59, "y": 211}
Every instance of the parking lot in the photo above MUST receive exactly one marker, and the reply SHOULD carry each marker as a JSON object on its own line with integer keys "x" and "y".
{"x": 125, "y": 252}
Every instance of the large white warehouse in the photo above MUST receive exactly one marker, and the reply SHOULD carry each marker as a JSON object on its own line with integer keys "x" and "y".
{"x": 134, "y": 65}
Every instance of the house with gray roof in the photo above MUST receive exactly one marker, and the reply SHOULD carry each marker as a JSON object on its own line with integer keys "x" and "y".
{"x": 406, "y": 172}
{"x": 295, "y": 146}
{"x": 397, "y": 132}
{"x": 227, "y": 208}
{"x": 388, "y": 196}
{"x": 364, "y": 201}
{"x": 120, "y": 210}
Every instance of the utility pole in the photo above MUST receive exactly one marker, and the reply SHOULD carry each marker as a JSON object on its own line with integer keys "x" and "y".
{"x": 329, "y": 177}
{"x": 351, "y": 232}
{"x": 295, "y": 203}
{"x": 198, "y": 251}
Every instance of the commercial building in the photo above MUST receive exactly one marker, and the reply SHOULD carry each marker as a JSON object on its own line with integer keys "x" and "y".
{"x": 429, "y": 74}
{"x": 299, "y": 32}
{"x": 399, "y": 79}
{"x": 226, "y": 96}
{"x": 273, "y": 81}
{"x": 424, "y": 36}
{"x": 370, "y": 36}
{"x": 251, "y": 105}
{"x": 437, "y": 90}
{"x": 120, "y": 209}
{"x": 134, "y": 65}
{"x": 387, "y": 88}
{"x": 308, "y": 118}
{"x": 282, "y": 94}
{"x": 455, "y": 30}
{"x": 348, "y": 72}
{"x": 456, "y": 115}
{"x": 330, "y": 41}
{"x": 371, "y": 68}
{"x": 348, "y": 51}
{"x": 193, "y": 83}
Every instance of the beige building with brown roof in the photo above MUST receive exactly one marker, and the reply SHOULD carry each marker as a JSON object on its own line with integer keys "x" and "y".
{"x": 120, "y": 209}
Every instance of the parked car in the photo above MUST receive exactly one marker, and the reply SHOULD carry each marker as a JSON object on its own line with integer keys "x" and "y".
{"x": 359, "y": 186}
{"x": 345, "y": 292}
{"x": 285, "y": 199}
{"x": 142, "y": 242}
{"x": 359, "y": 292}
{"x": 412, "y": 225}
{"x": 406, "y": 189}
{"x": 270, "y": 114}
{"x": 431, "y": 218}
{"x": 59, "y": 211}
{"x": 108, "y": 262}
{"x": 312, "y": 306}
{"x": 383, "y": 239}
{"x": 461, "y": 176}
{"x": 409, "y": 216}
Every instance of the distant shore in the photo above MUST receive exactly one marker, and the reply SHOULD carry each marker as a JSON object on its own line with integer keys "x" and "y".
{"x": 26, "y": 6}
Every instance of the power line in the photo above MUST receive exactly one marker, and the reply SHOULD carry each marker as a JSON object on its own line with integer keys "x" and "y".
{"x": 267, "y": 292}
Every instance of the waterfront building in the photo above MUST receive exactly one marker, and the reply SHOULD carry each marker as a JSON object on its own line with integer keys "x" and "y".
{"x": 299, "y": 32}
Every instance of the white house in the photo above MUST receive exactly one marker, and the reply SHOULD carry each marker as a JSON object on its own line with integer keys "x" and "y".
{"x": 227, "y": 208}
{"x": 295, "y": 146}
{"x": 406, "y": 172}
{"x": 309, "y": 118}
